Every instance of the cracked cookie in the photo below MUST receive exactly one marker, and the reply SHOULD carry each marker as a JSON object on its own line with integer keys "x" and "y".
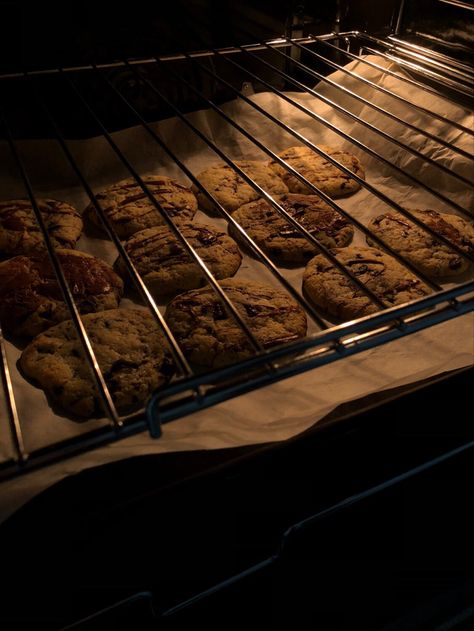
{"x": 21, "y": 234}
{"x": 129, "y": 347}
{"x": 281, "y": 240}
{"x": 231, "y": 190}
{"x": 328, "y": 288}
{"x": 129, "y": 209}
{"x": 167, "y": 268}
{"x": 430, "y": 256}
{"x": 319, "y": 171}
{"x": 210, "y": 336}
{"x": 31, "y": 299}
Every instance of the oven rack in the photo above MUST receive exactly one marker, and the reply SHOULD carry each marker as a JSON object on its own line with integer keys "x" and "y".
{"x": 192, "y": 391}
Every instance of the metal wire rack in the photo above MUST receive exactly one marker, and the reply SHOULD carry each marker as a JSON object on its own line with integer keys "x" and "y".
{"x": 192, "y": 390}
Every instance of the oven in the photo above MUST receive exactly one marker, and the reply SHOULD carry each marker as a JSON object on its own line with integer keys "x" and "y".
{"x": 361, "y": 518}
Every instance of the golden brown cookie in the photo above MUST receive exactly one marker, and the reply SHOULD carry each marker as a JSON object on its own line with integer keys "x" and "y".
{"x": 320, "y": 172}
{"x": 230, "y": 189}
{"x": 430, "y": 256}
{"x": 129, "y": 347}
{"x": 328, "y": 288}
{"x": 167, "y": 268}
{"x": 282, "y": 241}
{"x": 31, "y": 299}
{"x": 130, "y": 210}
{"x": 21, "y": 234}
{"x": 209, "y": 336}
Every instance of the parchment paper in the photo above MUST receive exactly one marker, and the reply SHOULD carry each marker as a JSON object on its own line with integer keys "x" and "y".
{"x": 287, "y": 408}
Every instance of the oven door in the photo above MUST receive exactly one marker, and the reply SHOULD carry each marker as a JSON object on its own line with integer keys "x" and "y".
{"x": 367, "y": 526}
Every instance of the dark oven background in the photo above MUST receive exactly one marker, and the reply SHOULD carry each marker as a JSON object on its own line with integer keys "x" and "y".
{"x": 51, "y": 35}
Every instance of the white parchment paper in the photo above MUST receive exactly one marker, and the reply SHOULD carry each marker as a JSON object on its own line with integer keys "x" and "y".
{"x": 287, "y": 408}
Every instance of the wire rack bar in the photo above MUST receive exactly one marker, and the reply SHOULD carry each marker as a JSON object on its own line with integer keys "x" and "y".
{"x": 232, "y": 310}
{"x": 340, "y": 166}
{"x": 363, "y": 122}
{"x": 227, "y": 389}
{"x": 417, "y": 310}
{"x": 264, "y": 194}
{"x": 228, "y": 50}
{"x": 249, "y": 241}
{"x": 439, "y": 60}
{"x": 99, "y": 381}
{"x": 403, "y": 79}
{"x": 377, "y": 108}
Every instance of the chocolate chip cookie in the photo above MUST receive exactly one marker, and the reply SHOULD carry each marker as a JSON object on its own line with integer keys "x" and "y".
{"x": 129, "y": 347}
{"x": 281, "y": 240}
{"x": 21, "y": 234}
{"x": 31, "y": 299}
{"x": 211, "y": 337}
{"x": 130, "y": 210}
{"x": 231, "y": 190}
{"x": 429, "y": 255}
{"x": 328, "y": 288}
{"x": 167, "y": 268}
{"x": 320, "y": 172}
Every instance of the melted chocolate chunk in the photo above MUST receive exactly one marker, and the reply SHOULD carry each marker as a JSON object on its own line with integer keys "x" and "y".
{"x": 363, "y": 266}
{"x": 218, "y": 311}
{"x": 27, "y": 283}
{"x": 389, "y": 217}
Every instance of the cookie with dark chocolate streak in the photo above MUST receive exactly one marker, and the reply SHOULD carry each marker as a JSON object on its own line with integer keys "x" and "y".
{"x": 129, "y": 209}
{"x": 283, "y": 241}
{"x": 319, "y": 171}
{"x": 335, "y": 294}
{"x": 419, "y": 247}
{"x": 31, "y": 299}
{"x": 211, "y": 337}
{"x": 130, "y": 349}
{"x": 167, "y": 268}
{"x": 21, "y": 234}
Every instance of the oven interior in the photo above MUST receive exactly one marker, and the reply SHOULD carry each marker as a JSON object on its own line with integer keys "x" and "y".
{"x": 57, "y": 107}
{"x": 237, "y": 535}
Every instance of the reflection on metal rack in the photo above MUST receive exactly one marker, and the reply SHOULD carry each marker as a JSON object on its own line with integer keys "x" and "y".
{"x": 423, "y": 62}
{"x": 402, "y": 78}
{"x": 373, "y": 105}
{"x": 193, "y": 390}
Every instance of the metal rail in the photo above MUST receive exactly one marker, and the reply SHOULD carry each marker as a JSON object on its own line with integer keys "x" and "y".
{"x": 417, "y": 66}
{"x": 404, "y": 79}
{"x": 377, "y": 108}
{"x": 13, "y": 418}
